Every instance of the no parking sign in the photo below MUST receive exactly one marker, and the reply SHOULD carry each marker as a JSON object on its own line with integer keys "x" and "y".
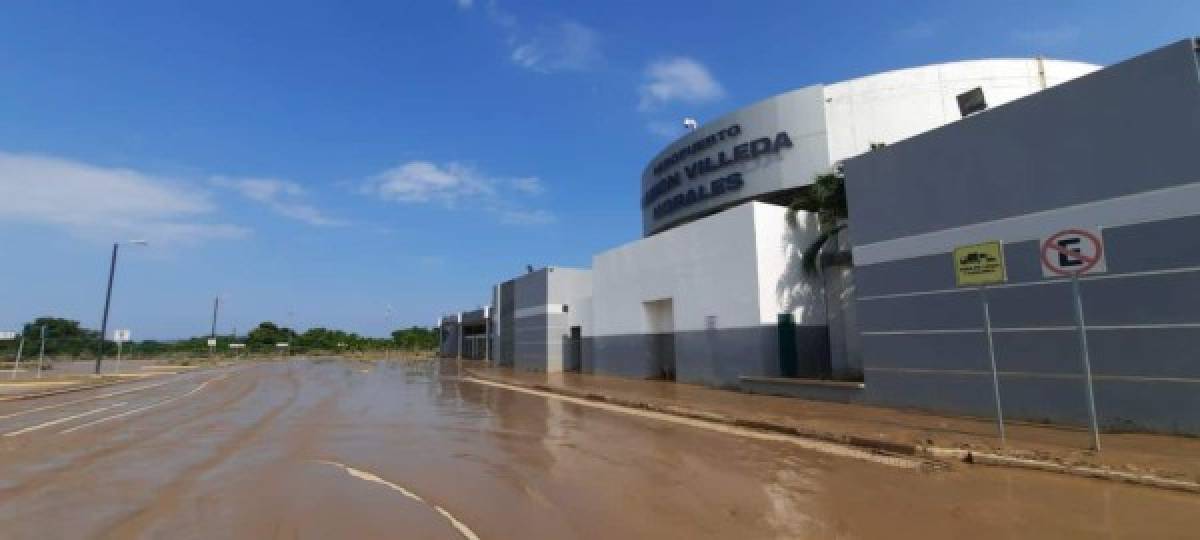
{"x": 1073, "y": 252}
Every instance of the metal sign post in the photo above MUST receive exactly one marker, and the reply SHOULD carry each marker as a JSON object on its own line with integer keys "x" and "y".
{"x": 991, "y": 346}
{"x": 1087, "y": 363}
{"x": 17, "y": 364}
{"x": 8, "y": 335}
{"x": 1074, "y": 252}
{"x": 41, "y": 352}
{"x": 981, "y": 265}
{"x": 120, "y": 336}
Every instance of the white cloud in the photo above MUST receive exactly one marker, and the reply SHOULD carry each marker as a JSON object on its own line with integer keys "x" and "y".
{"x": 529, "y": 185}
{"x": 422, "y": 181}
{"x": 567, "y": 46}
{"x": 282, "y": 197}
{"x": 464, "y": 4}
{"x": 562, "y": 46}
{"x": 678, "y": 79}
{"x": 501, "y": 18}
{"x": 106, "y": 204}
{"x": 1048, "y": 37}
{"x": 454, "y": 184}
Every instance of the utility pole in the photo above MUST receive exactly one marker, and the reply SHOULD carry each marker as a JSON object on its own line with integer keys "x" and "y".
{"x": 291, "y": 331}
{"x": 112, "y": 268}
{"x": 387, "y": 319}
{"x": 213, "y": 333}
{"x": 41, "y": 352}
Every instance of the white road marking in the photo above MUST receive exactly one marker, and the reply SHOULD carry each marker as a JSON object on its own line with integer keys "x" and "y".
{"x": 369, "y": 477}
{"x": 808, "y": 444}
{"x": 147, "y": 407}
{"x": 93, "y": 398}
{"x": 61, "y": 420}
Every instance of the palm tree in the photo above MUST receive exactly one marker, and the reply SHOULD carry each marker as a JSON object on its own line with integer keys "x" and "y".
{"x": 826, "y": 198}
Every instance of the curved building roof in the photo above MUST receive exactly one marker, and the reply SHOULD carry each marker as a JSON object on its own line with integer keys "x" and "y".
{"x": 781, "y": 143}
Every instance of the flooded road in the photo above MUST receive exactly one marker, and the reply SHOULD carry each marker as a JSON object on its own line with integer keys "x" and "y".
{"x": 309, "y": 449}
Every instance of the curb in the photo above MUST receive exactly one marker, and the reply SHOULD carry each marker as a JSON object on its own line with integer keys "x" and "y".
{"x": 69, "y": 389}
{"x": 867, "y": 443}
{"x": 1083, "y": 471}
{"x": 57, "y": 391}
{"x": 941, "y": 454}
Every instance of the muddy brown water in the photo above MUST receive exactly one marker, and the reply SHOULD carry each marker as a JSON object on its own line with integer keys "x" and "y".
{"x": 335, "y": 449}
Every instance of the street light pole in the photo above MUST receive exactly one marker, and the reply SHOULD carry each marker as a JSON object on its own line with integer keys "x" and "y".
{"x": 291, "y": 331}
{"x": 387, "y": 319}
{"x": 112, "y": 267}
{"x": 41, "y": 352}
{"x": 213, "y": 333}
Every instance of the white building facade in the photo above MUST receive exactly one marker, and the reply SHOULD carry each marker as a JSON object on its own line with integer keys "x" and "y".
{"x": 714, "y": 292}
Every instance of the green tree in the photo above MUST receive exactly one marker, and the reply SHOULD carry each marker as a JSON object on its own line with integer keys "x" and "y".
{"x": 324, "y": 339}
{"x": 64, "y": 337}
{"x": 826, "y": 198}
{"x": 266, "y": 335}
{"x": 415, "y": 338}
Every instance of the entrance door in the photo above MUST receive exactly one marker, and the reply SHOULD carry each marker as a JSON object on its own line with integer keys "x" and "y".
{"x": 660, "y": 320}
{"x": 788, "y": 361}
{"x": 575, "y": 358}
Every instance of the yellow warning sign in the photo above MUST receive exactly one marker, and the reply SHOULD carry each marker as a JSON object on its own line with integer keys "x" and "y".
{"x": 979, "y": 264}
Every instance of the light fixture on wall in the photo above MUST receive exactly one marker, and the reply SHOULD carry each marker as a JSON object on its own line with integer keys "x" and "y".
{"x": 971, "y": 102}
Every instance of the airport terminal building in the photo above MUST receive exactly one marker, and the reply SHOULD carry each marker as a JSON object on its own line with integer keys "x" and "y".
{"x": 933, "y": 157}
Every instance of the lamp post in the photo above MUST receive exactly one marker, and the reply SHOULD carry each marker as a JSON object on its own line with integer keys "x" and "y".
{"x": 291, "y": 331}
{"x": 112, "y": 267}
{"x": 387, "y": 323}
{"x": 41, "y": 352}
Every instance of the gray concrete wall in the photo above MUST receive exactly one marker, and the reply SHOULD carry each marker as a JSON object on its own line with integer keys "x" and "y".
{"x": 1124, "y": 129}
{"x": 715, "y": 357}
{"x": 845, "y": 349}
{"x": 535, "y": 332}
{"x": 529, "y": 332}
{"x": 531, "y": 351}
{"x": 504, "y": 328}
{"x": 448, "y": 347}
{"x": 1111, "y": 138}
{"x": 626, "y": 355}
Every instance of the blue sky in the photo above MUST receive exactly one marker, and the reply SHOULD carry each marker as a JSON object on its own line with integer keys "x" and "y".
{"x": 330, "y": 159}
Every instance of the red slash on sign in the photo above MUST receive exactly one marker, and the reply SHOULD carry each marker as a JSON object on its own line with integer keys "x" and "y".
{"x": 1072, "y": 252}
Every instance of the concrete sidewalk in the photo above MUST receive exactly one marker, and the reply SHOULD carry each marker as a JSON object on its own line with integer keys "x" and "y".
{"x": 1161, "y": 460}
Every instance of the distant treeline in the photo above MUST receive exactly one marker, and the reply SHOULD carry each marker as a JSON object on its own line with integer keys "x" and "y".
{"x": 66, "y": 338}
